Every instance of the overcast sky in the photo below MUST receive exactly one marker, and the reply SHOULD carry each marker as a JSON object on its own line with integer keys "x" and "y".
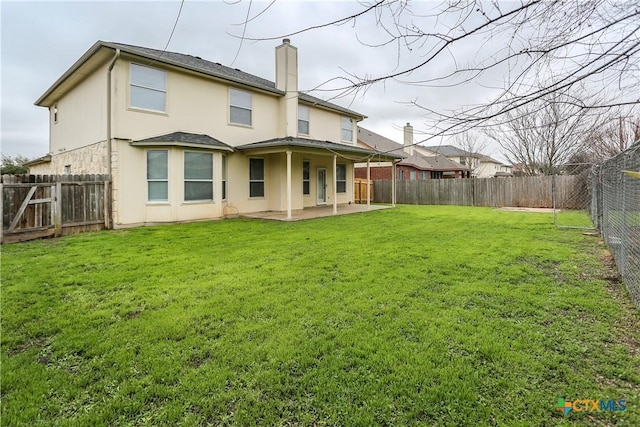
{"x": 41, "y": 40}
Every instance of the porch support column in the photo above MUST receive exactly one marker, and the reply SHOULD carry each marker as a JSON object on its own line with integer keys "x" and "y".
{"x": 335, "y": 184}
{"x": 393, "y": 183}
{"x": 288, "y": 184}
{"x": 368, "y": 184}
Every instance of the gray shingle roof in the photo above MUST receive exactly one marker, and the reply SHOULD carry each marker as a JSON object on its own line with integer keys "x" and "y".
{"x": 447, "y": 150}
{"x": 184, "y": 138}
{"x": 218, "y": 70}
{"x": 379, "y": 142}
{"x": 290, "y": 141}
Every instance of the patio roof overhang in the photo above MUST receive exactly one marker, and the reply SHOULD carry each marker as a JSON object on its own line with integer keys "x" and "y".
{"x": 289, "y": 143}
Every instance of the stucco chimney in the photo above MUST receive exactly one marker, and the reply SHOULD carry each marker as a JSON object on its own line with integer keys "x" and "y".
{"x": 408, "y": 139}
{"x": 287, "y": 81}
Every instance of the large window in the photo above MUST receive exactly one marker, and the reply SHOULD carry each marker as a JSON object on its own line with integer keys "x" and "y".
{"x": 412, "y": 175}
{"x": 306, "y": 178}
{"x": 347, "y": 129}
{"x": 224, "y": 177}
{"x": 148, "y": 88}
{"x": 303, "y": 120}
{"x": 256, "y": 177}
{"x": 239, "y": 107}
{"x": 341, "y": 178}
{"x": 424, "y": 175}
{"x": 198, "y": 176}
{"x": 157, "y": 175}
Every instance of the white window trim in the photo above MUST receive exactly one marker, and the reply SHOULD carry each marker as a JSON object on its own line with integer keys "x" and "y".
{"x": 224, "y": 188}
{"x": 342, "y": 118}
{"x": 308, "y": 119}
{"x": 341, "y": 180}
{"x": 131, "y": 84}
{"x": 156, "y": 202}
{"x": 185, "y": 180}
{"x": 306, "y": 180}
{"x": 263, "y": 180}
{"x": 250, "y": 125}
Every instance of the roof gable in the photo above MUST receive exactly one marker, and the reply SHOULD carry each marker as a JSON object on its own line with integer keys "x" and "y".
{"x": 187, "y": 62}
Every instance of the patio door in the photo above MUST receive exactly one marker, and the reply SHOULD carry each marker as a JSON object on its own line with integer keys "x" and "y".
{"x": 322, "y": 186}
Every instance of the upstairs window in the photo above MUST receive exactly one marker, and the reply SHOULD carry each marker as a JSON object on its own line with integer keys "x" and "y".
{"x": 157, "y": 175}
{"x": 240, "y": 107}
{"x": 148, "y": 88}
{"x": 347, "y": 130}
{"x": 198, "y": 176}
{"x": 341, "y": 178}
{"x": 303, "y": 120}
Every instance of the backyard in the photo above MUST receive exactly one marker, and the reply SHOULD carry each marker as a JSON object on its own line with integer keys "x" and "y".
{"x": 427, "y": 315}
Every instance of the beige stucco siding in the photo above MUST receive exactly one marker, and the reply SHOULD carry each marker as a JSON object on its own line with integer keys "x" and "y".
{"x": 326, "y": 125}
{"x": 193, "y": 104}
{"x": 131, "y": 200}
{"x": 81, "y": 115}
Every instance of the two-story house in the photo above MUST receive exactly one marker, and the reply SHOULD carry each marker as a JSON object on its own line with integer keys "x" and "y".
{"x": 186, "y": 139}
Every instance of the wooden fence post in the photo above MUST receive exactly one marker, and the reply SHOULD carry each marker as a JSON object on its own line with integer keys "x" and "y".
{"x": 107, "y": 204}
{"x": 57, "y": 205}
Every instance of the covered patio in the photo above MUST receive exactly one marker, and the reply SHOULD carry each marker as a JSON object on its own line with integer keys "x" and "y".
{"x": 315, "y": 212}
{"x": 294, "y": 152}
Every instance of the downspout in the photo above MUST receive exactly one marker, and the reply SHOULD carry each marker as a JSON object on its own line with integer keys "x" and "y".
{"x": 109, "y": 163}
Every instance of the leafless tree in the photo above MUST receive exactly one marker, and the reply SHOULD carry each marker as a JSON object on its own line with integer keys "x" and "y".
{"x": 473, "y": 145}
{"x": 545, "y": 134}
{"x": 593, "y": 43}
{"x": 614, "y": 137}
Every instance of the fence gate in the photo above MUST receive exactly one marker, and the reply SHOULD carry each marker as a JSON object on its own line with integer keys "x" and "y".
{"x": 36, "y": 206}
{"x": 28, "y": 208}
{"x": 572, "y": 201}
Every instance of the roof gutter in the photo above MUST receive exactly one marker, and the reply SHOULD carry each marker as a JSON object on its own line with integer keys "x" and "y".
{"x": 109, "y": 169}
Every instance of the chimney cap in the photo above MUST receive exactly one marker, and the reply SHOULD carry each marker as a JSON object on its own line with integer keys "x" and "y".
{"x": 286, "y": 41}
{"x": 408, "y": 124}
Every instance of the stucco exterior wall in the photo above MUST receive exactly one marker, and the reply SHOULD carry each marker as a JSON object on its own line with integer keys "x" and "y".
{"x": 81, "y": 117}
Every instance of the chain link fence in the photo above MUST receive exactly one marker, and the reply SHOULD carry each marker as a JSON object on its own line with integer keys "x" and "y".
{"x": 572, "y": 201}
{"x": 615, "y": 211}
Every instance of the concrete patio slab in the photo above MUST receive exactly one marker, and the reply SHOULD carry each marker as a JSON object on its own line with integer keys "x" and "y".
{"x": 314, "y": 212}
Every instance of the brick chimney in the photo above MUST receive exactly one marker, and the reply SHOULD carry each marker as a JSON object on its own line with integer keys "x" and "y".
{"x": 287, "y": 81}
{"x": 408, "y": 139}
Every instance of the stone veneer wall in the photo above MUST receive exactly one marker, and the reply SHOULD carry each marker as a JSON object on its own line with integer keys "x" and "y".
{"x": 91, "y": 159}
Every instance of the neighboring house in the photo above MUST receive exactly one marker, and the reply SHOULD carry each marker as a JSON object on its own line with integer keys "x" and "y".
{"x": 187, "y": 139}
{"x": 479, "y": 165}
{"x": 490, "y": 167}
{"x": 414, "y": 165}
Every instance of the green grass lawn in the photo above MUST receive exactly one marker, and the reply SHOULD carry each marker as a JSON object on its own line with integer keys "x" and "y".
{"x": 424, "y": 315}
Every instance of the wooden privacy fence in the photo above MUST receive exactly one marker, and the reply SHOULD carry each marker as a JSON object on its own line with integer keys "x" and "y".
{"x": 35, "y": 206}
{"x": 527, "y": 192}
{"x": 360, "y": 190}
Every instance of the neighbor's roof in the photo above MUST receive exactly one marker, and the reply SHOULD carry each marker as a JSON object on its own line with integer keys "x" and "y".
{"x": 192, "y": 63}
{"x": 379, "y": 142}
{"x": 290, "y": 141}
{"x": 435, "y": 163}
{"x": 184, "y": 139}
{"x": 40, "y": 160}
{"x": 447, "y": 150}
